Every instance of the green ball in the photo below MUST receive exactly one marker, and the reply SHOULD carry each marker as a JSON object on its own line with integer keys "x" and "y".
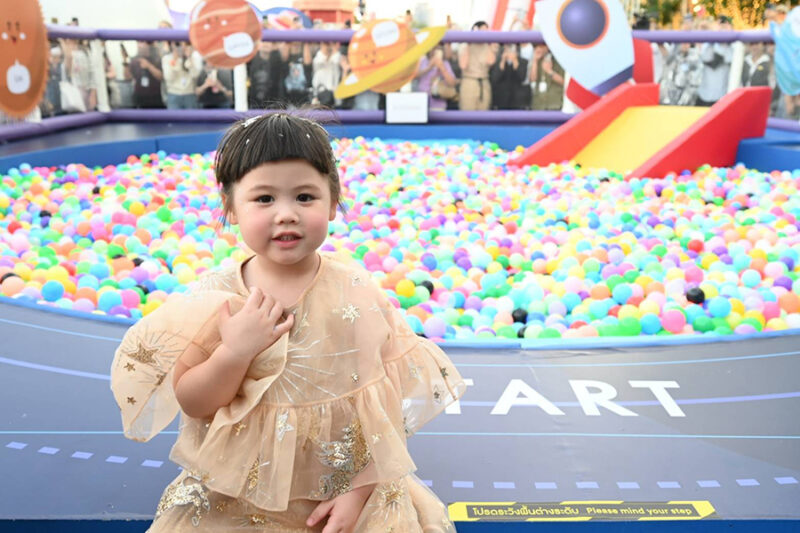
{"x": 465, "y": 320}
{"x": 630, "y": 327}
{"x": 507, "y": 332}
{"x": 703, "y": 324}
{"x": 550, "y": 333}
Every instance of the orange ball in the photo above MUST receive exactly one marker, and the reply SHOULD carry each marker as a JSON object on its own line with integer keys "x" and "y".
{"x": 789, "y": 302}
{"x": 599, "y": 292}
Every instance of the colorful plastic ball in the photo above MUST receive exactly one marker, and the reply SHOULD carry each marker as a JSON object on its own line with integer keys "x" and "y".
{"x": 108, "y": 300}
{"x": 719, "y": 307}
{"x": 751, "y": 278}
{"x": 650, "y": 323}
{"x": 434, "y": 327}
{"x": 673, "y": 321}
{"x": 696, "y": 295}
{"x": 52, "y": 290}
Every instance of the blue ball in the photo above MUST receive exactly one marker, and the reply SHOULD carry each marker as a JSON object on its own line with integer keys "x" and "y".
{"x": 622, "y": 293}
{"x": 52, "y": 291}
{"x": 99, "y": 270}
{"x": 719, "y": 307}
{"x": 650, "y": 324}
{"x": 108, "y": 300}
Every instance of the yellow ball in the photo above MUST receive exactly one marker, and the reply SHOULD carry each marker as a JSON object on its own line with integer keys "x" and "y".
{"x": 737, "y": 306}
{"x": 675, "y": 273}
{"x": 649, "y": 306}
{"x": 58, "y": 273}
{"x": 709, "y": 290}
{"x": 708, "y": 260}
{"x": 752, "y": 313}
{"x": 405, "y": 288}
{"x": 136, "y": 208}
{"x": 776, "y": 323}
{"x": 150, "y": 306}
{"x": 628, "y": 311}
{"x": 734, "y": 318}
{"x": 493, "y": 267}
{"x": 576, "y": 272}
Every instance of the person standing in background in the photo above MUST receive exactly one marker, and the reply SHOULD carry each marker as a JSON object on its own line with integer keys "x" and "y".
{"x": 214, "y": 88}
{"x": 146, "y": 77}
{"x": 180, "y": 76}
{"x": 546, "y": 78}
{"x": 475, "y": 60}
{"x": 716, "y": 59}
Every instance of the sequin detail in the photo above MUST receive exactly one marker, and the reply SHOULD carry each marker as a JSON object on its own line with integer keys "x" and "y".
{"x": 348, "y": 457}
{"x": 350, "y": 312}
{"x": 282, "y": 425}
{"x": 184, "y": 493}
{"x": 143, "y": 354}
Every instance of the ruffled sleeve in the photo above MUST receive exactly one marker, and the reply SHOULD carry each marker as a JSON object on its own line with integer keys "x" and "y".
{"x": 141, "y": 374}
{"x": 422, "y": 374}
{"x": 142, "y": 371}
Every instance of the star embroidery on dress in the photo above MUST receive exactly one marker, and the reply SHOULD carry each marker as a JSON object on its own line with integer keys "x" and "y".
{"x": 437, "y": 394}
{"x": 282, "y": 425}
{"x": 239, "y": 426}
{"x": 131, "y": 400}
{"x": 350, "y": 313}
{"x": 129, "y": 367}
{"x": 413, "y": 370}
{"x": 376, "y": 437}
{"x": 391, "y": 494}
{"x": 357, "y": 279}
{"x": 142, "y": 354}
{"x": 443, "y": 370}
{"x": 354, "y": 377}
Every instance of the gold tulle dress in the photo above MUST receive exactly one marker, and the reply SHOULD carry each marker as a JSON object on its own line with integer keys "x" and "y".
{"x": 325, "y": 409}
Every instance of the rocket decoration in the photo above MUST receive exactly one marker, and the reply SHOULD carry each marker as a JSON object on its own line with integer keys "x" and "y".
{"x": 24, "y": 55}
{"x": 591, "y": 39}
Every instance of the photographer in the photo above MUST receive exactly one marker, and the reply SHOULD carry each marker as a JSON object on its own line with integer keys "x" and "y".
{"x": 180, "y": 75}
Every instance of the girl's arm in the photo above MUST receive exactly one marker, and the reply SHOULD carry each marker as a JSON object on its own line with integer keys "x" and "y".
{"x": 212, "y": 384}
{"x": 203, "y": 388}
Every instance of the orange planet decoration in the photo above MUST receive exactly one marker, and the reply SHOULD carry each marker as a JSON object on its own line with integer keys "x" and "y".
{"x": 24, "y": 54}
{"x": 384, "y": 54}
{"x": 225, "y": 32}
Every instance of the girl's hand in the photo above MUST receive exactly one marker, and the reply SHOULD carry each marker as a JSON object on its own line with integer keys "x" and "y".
{"x": 255, "y": 327}
{"x": 342, "y": 511}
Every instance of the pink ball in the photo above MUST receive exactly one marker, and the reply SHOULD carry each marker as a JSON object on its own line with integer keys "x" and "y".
{"x": 130, "y": 298}
{"x": 673, "y": 321}
{"x": 389, "y": 264}
{"x": 771, "y": 310}
{"x": 693, "y": 274}
{"x": 371, "y": 258}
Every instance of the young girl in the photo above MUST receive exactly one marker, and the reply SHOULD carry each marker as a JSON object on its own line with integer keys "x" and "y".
{"x": 297, "y": 379}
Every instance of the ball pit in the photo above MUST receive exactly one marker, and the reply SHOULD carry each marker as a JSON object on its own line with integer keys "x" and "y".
{"x": 468, "y": 248}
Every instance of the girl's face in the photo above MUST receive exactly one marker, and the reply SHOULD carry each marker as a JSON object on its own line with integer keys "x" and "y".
{"x": 283, "y": 209}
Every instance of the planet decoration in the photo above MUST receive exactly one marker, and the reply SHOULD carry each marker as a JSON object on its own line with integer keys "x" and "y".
{"x": 23, "y": 57}
{"x": 383, "y": 56}
{"x": 225, "y": 32}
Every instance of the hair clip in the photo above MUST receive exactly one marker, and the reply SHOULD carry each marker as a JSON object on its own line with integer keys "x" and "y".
{"x": 308, "y": 135}
{"x": 247, "y": 141}
{"x": 280, "y": 135}
{"x": 250, "y": 121}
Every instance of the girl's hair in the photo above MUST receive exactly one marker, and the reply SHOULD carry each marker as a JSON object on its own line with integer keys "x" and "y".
{"x": 274, "y": 137}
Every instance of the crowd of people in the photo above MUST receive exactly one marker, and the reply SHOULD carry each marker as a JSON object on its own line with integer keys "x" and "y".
{"x": 699, "y": 74}
{"x": 458, "y": 76}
